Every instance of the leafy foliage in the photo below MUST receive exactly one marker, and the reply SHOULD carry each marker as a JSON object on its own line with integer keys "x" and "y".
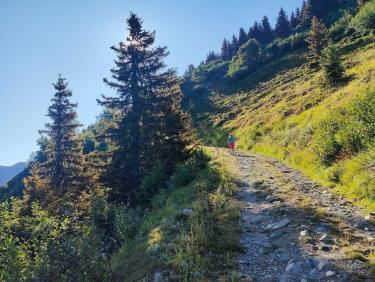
{"x": 246, "y": 60}
{"x": 43, "y": 247}
{"x": 364, "y": 21}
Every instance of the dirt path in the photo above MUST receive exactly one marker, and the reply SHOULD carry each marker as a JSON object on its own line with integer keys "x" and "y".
{"x": 294, "y": 230}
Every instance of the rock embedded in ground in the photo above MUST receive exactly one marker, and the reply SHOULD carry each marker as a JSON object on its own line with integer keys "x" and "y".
{"x": 187, "y": 211}
{"x": 276, "y": 225}
{"x": 330, "y": 273}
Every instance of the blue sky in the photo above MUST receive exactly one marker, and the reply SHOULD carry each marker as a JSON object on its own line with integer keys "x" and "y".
{"x": 41, "y": 39}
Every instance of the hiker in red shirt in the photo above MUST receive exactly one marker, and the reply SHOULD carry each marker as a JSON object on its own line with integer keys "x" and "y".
{"x": 231, "y": 142}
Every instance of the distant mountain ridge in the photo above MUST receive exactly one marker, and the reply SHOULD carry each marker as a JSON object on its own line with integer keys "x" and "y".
{"x": 8, "y": 172}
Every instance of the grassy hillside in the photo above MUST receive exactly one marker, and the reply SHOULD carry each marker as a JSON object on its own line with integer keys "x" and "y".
{"x": 284, "y": 110}
{"x": 191, "y": 233}
{"x": 293, "y": 118}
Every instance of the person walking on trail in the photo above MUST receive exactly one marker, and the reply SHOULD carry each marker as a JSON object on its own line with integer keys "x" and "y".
{"x": 231, "y": 142}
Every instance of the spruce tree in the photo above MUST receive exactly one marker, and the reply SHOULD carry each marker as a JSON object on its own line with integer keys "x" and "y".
{"x": 267, "y": 33}
{"x": 231, "y": 51}
{"x": 211, "y": 56}
{"x": 64, "y": 149}
{"x": 169, "y": 146}
{"x": 293, "y": 21}
{"x": 140, "y": 78}
{"x": 234, "y": 45}
{"x": 57, "y": 181}
{"x": 282, "y": 25}
{"x": 255, "y": 32}
{"x": 332, "y": 66}
{"x": 306, "y": 13}
{"x": 298, "y": 15}
{"x": 317, "y": 8}
{"x": 242, "y": 37}
{"x": 224, "y": 54}
{"x": 317, "y": 41}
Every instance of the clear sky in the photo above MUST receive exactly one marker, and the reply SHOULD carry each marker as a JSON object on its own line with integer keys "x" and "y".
{"x": 42, "y": 38}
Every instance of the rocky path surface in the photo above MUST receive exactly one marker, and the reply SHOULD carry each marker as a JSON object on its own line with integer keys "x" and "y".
{"x": 294, "y": 230}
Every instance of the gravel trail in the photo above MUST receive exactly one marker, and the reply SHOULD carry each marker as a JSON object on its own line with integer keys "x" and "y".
{"x": 295, "y": 230}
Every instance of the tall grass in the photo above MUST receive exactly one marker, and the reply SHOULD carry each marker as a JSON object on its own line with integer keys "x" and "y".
{"x": 192, "y": 231}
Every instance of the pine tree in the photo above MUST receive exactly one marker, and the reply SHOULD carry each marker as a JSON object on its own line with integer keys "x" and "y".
{"x": 267, "y": 33}
{"x": 306, "y": 13}
{"x": 255, "y": 32}
{"x": 169, "y": 147}
{"x": 293, "y": 21}
{"x": 211, "y": 56}
{"x": 298, "y": 15}
{"x": 234, "y": 45}
{"x": 231, "y": 51}
{"x": 57, "y": 181}
{"x": 225, "y": 52}
{"x": 242, "y": 37}
{"x": 317, "y": 8}
{"x": 282, "y": 25}
{"x": 140, "y": 78}
{"x": 64, "y": 148}
{"x": 317, "y": 40}
{"x": 332, "y": 66}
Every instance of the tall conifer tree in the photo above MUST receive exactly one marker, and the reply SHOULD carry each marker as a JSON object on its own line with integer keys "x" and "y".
{"x": 242, "y": 37}
{"x": 224, "y": 54}
{"x": 256, "y": 31}
{"x": 317, "y": 40}
{"x": 293, "y": 21}
{"x": 234, "y": 45}
{"x": 58, "y": 180}
{"x": 267, "y": 33}
{"x": 282, "y": 25}
{"x": 140, "y": 76}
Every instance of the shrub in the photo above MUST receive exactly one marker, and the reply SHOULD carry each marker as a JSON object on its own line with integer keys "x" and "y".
{"x": 186, "y": 173}
{"x": 246, "y": 60}
{"x": 280, "y": 46}
{"x": 364, "y": 21}
{"x": 325, "y": 145}
{"x": 347, "y": 132}
{"x": 341, "y": 27}
{"x": 42, "y": 247}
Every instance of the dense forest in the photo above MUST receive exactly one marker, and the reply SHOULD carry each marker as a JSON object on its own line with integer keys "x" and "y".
{"x": 137, "y": 196}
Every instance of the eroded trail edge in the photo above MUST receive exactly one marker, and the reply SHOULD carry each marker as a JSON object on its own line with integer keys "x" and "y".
{"x": 295, "y": 230}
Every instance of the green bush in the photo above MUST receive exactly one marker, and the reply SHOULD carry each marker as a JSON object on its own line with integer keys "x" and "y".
{"x": 246, "y": 60}
{"x": 325, "y": 144}
{"x": 41, "y": 247}
{"x": 347, "y": 132}
{"x": 341, "y": 27}
{"x": 364, "y": 21}
{"x": 281, "y": 46}
{"x": 186, "y": 173}
{"x": 212, "y": 71}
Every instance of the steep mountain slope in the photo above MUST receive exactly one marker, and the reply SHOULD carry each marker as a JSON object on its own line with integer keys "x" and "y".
{"x": 285, "y": 110}
{"x": 285, "y": 118}
{"x": 8, "y": 172}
